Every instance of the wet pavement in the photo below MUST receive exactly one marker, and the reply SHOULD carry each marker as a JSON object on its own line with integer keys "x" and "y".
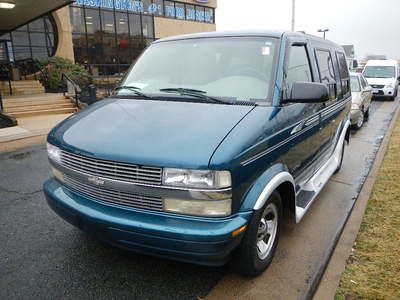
{"x": 41, "y": 256}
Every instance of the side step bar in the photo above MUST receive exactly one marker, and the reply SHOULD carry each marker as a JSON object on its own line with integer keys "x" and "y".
{"x": 310, "y": 190}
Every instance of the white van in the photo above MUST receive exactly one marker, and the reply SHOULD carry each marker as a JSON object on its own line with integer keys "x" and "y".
{"x": 383, "y": 77}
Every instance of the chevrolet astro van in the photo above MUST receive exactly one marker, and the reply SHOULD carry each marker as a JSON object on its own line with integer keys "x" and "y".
{"x": 209, "y": 141}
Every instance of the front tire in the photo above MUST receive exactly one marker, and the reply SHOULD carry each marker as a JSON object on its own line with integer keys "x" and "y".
{"x": 259, "y": 244}
{"x": 366, "y": 115}
{"x": 360, "y": 121}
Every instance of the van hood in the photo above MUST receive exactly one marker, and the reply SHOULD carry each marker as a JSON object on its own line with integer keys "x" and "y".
{"x": 154, "y": 133}
{"x": 381, "y": 81}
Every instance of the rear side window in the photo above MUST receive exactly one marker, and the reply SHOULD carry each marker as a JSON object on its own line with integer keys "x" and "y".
{"x": 298, "y": 66}
{"x": 326, "y": 71}
{"x": 344, "y": 73}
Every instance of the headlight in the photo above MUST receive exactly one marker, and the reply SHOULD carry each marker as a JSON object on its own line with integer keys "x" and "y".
{"x": 196, "y": 178}
{"x": 205, "y": 208}
{"x": 53, "y": 152}
{"x": 389, "y": 86}
{"x": 355, "y": 106}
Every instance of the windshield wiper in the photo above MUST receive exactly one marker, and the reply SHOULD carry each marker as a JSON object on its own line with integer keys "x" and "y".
{"x": 198, "y": 94}
{"x": 134, "y": 89}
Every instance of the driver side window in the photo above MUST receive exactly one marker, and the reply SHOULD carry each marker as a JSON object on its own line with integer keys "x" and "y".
{"x": 298, "y": 67}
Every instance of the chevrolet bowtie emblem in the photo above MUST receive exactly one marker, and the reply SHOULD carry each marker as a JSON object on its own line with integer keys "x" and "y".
{"x": 96, "y": 180}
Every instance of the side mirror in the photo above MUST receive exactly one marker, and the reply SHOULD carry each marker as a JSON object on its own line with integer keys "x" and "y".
{"x": 355, "y": 64}
{"x": 308, "y": 92}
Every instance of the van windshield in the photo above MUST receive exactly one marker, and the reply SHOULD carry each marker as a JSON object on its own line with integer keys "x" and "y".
{"x": 234, "y": 68}
{"x": 379, "y": 72}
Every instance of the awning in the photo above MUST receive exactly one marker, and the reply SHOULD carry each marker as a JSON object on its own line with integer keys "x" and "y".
{"x": 26, "y": 11}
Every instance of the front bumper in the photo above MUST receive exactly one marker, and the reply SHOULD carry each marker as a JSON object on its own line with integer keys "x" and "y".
{"x": 196, "y": 240}
{"x": 385, "y": 92}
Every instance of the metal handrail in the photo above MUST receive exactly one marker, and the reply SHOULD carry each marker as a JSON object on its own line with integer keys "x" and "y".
{"x": 72, "y": 88}
{"x": 1, "y": 103}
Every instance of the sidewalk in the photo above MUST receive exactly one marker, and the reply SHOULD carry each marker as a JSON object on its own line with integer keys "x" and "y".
{"x": 30, "y": 131}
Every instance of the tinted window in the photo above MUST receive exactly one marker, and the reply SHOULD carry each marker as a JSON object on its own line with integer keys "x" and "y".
{"x": 326, "y": 71}
{"x": 344, "y": 73}
{"x": 298, "y": 68}
{"x": 355, "y": 84}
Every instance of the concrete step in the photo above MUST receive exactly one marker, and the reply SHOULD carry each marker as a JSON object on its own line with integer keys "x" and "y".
{"x": 12, "y": 110}
{"x": 14, "y": 98}
{"x": 43, "y": 112}
{"x": 36, "y": 103}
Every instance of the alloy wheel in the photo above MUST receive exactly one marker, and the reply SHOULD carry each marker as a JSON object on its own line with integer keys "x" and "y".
{"x": 267, "y": 230}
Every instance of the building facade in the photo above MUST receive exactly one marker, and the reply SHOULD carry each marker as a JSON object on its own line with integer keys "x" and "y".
{"x": 106, "y": 35}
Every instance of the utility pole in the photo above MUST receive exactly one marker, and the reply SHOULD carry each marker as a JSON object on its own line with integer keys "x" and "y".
{"x": 293, "y": 14}
{"x": 324, "y": 31}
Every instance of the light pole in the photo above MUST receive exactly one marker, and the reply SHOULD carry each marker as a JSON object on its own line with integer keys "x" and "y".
{"x": 293, "y": 14}
{"x": 324, "y": 31}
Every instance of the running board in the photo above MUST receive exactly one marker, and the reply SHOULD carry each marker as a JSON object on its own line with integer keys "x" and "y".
{"x": 310, "y": 190}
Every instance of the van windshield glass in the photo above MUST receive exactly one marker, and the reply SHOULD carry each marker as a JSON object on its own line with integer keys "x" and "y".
{"x": 379, "y": 72}
{"x": 232, "y": 68}
{"x": 355, "y": 84}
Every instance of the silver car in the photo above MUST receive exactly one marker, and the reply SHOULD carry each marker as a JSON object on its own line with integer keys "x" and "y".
{"x": 362, "y": 95}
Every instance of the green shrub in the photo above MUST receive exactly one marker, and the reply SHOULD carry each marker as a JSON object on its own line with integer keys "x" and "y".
{"x": 54, "y": 67}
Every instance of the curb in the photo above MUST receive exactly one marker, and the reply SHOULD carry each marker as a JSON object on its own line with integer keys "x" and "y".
{"x": 362, "y": 198}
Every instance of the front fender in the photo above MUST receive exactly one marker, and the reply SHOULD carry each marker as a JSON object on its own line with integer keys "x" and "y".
{"x": 264, "y": 186}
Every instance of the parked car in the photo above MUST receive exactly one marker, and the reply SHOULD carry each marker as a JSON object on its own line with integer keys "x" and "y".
{"x": 361, "y": 100}
{"x": 208, "y": 141}
{"x": 383, "y": 76}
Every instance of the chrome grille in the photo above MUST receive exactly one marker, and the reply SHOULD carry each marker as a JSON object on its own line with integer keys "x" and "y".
{"x": 112, "y": 170}
{"x": 115, "y": 197}
{"x": 377, "y": 86}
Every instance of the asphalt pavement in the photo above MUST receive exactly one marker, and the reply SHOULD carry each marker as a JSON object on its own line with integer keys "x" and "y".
{"x": 43, "y": 257}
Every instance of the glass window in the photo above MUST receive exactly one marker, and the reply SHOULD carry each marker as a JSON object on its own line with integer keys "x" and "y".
{"x": 209, "y": 15}
{"x": 107, "y": 21}
{"x": 190, "y": 12}
{"x": 40, "y": 53}
{"x": 20, "y": 38}
{"x": 326, "y": 71}
{"x": 122, "y": 23}
{"x": 135, "y": 26}
{"x": 180, "y": 10}
{"x": 48, "y": 25}
{"x": 147, "y": 7}
{"x": 76, "y": 15}
{"x": 38, "y": 39}
{"x": 95, "y": 47}
{"x": 109, "y": 49}
{"x": 80, "y": 53}
{"x": 344, "y": 73}
{"x": 200, "y": 13}
{"x": 37, "y": 25}
{"x": 158, "y": 7}
{"x": 237, "y": 68}
{"x": 92, "y": 20}
{"x": 21, "y": 53}
{"x": 169, "y": 9}
{"x": 355, "y": 84}
{"x": 379, "y": 72}
{"x": 298, "y": 67}
{"x": 148, "y": 27}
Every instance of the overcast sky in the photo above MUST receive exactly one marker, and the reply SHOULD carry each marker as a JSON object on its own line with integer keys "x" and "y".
{"x": 373, "y": 26}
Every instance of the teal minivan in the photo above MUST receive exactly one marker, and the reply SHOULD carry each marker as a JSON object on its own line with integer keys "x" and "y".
{"x": 208, "y": 142}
